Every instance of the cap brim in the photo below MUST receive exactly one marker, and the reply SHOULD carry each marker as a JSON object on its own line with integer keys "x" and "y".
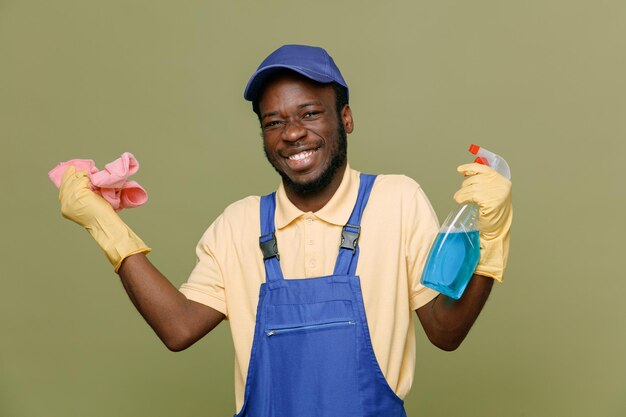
{"x": 259, "y": 78}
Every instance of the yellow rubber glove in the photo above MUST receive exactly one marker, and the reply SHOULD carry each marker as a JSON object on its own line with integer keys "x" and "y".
{"x": 492, "y": 192}
{"x": 94, "y": 213}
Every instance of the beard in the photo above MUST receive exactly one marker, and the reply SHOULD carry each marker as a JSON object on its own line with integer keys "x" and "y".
{"x": 339, "y": 154}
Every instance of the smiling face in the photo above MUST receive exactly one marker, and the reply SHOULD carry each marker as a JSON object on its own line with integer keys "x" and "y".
{"x": 304, "y": 137}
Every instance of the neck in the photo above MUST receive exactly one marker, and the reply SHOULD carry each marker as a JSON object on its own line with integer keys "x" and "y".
{"x": 314, "y": 202}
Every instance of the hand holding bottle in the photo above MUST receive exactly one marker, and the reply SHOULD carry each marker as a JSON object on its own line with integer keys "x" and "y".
{"x": 474, "y": 238}
{"x": 492, "y": 193}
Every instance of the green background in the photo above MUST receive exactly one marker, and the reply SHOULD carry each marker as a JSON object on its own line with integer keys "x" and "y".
{"x": 540, "y": 82}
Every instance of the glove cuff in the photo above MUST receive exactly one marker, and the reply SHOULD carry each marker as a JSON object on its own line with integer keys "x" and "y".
{"x": 494, "y": 254}
{"x": 116, "y": 240}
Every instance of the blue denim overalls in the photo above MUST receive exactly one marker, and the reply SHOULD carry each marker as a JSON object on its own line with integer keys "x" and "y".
{"x": 312, "y": 355}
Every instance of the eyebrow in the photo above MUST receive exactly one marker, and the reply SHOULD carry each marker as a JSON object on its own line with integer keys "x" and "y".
{"x": 270, "y": 114}
{"x": 313, "y": 103}
{"x": 301, "y": 106}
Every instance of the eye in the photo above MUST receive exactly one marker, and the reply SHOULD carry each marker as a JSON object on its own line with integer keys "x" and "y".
{"x": 271, "y": 124}
{"x": 311, "y": 114}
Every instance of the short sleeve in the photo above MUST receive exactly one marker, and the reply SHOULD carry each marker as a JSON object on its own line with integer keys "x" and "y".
{"x": 423, "y": 227}
{"x": 206, "y": 281}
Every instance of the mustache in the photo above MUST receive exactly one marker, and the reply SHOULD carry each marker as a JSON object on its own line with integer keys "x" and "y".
{"x": 316, "y": 143}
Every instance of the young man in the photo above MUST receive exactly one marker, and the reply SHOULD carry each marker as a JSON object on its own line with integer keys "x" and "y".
{"x": 318, "y": 280}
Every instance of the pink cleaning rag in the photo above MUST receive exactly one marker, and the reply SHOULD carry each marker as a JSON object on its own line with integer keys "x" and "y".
{"x": 111, "y": 183}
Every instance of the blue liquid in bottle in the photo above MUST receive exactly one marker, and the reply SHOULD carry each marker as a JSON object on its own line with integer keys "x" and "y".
{"x": 451, "y": 262}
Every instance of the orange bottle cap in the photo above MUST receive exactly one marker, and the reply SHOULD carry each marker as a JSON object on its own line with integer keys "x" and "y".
{"x": 482, "y": 161}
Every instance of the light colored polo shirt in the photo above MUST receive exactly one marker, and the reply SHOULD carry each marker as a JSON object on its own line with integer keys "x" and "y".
{"x": 397, "y": 229}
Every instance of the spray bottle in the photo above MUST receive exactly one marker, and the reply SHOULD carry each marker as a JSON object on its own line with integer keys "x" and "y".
{"x": 455, "y": 253}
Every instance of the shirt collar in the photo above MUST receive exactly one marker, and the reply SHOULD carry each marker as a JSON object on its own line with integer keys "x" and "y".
{"x": 337, "y": 211}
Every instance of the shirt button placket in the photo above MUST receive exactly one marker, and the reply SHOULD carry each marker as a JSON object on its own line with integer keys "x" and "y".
{"x": 309, "y": 252}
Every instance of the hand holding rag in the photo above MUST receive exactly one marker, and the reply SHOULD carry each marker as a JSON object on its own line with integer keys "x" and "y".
{"x": 90, "y": 210}
{"x": 86, "y": 208}
{"x": 111, "y": 183}
{"x": 492, "y": 192}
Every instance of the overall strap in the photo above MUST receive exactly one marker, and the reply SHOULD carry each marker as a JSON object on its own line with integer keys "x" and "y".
{"x": 349, "y": 251}
{"x": 267, "y": 241}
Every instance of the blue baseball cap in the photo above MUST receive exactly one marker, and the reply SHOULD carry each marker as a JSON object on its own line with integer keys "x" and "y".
{"x": 309, "y": 61}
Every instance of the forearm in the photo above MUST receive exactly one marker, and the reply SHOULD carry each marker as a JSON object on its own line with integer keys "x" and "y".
{"x": 177, "y": 321}
{"x": 447, "y": 321}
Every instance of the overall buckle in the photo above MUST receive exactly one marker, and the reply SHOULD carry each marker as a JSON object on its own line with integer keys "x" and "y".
{"x": 269, "y": 247}
{"x": 350, "y": 236}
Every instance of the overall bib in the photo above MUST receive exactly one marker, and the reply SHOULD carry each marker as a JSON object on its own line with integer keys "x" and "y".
{"x": 312, "y": 355}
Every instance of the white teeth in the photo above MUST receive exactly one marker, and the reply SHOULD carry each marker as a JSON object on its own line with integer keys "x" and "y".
{"x": 300, "y": 156}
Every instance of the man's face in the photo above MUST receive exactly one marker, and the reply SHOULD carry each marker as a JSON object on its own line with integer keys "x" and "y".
{"x": 303, "y": 136}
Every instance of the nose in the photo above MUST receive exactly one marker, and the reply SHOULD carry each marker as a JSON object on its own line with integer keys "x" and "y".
{"x": 294, "y": 131}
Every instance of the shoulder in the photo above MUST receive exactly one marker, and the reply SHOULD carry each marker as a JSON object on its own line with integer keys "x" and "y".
{"x": 242, "y": 210}
{"x": 238, "y": 219}
{"x": 400, "y": 194}
{"x": 398, "y": 186}
{"x": 398, "y": 181}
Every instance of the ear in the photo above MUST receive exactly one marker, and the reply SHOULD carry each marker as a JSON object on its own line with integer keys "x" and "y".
{"x": 346, "y": 118}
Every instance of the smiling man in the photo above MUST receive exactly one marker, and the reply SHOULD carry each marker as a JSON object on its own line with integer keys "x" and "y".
{"x": 320, "y": 279}
{"x": 310, "y": 154}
